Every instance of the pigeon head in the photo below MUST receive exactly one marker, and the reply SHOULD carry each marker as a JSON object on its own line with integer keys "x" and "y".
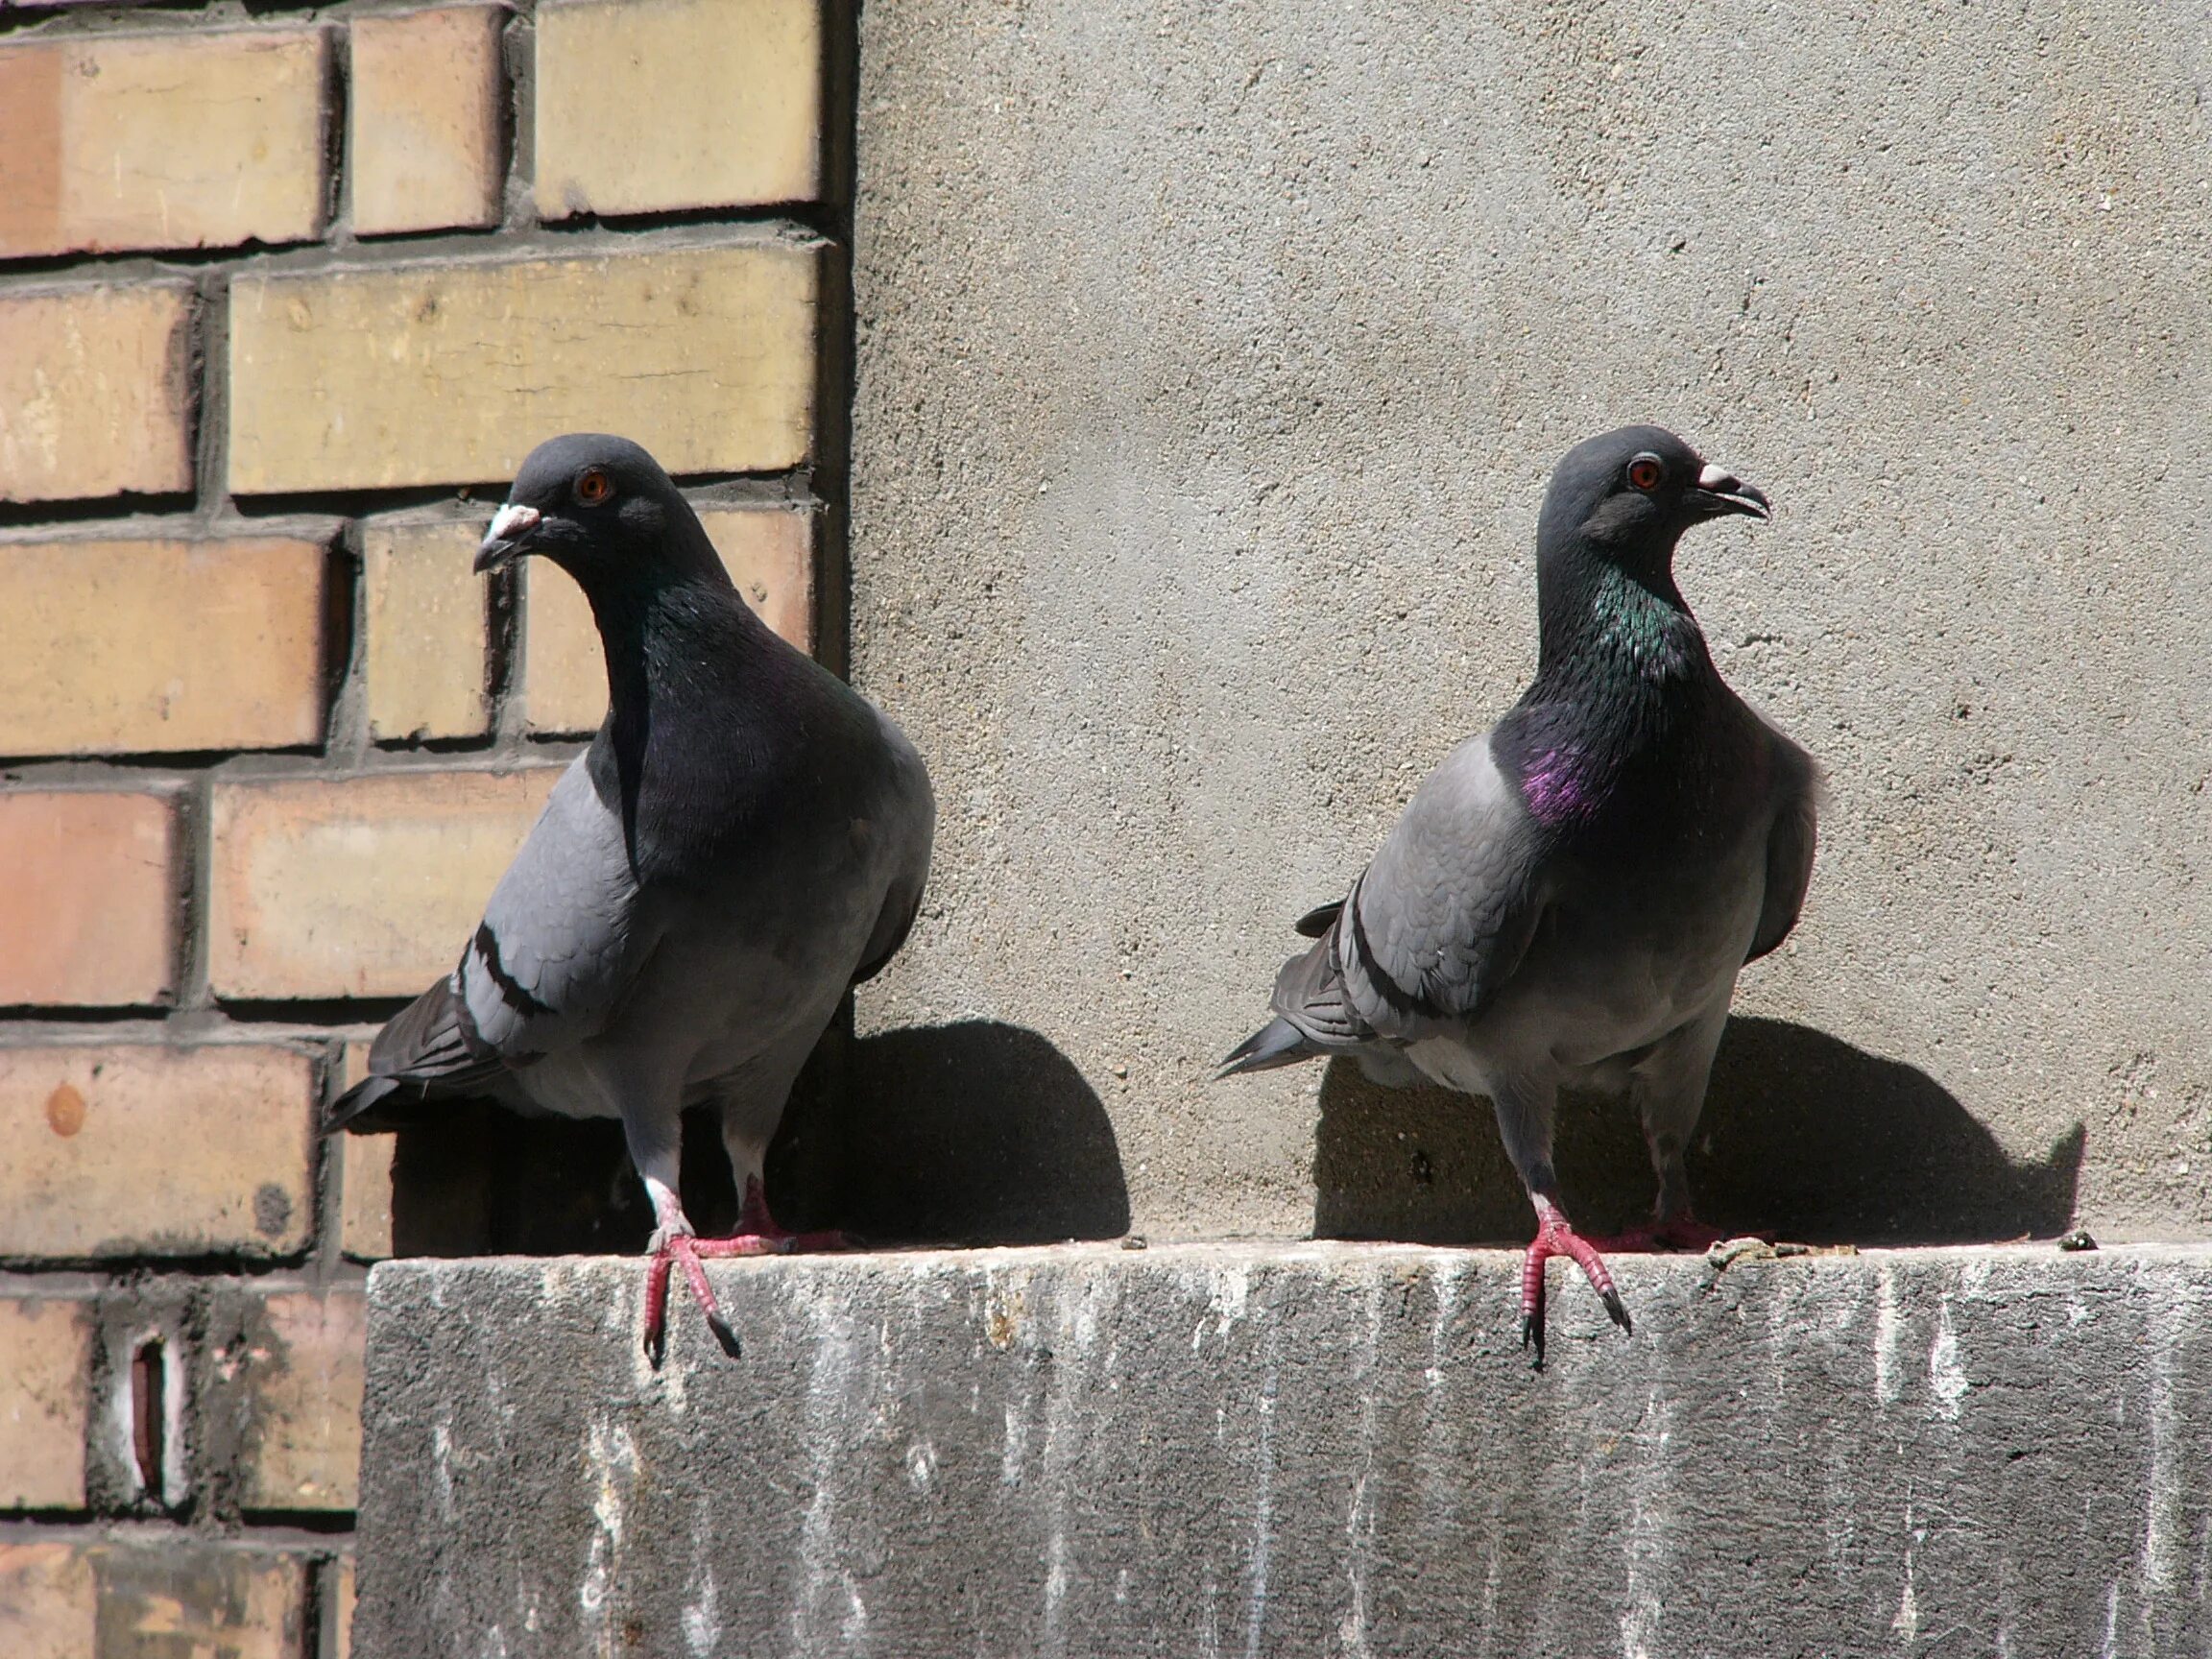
{"x": 603, "y": 509}
{"x": 1628, "y": 495}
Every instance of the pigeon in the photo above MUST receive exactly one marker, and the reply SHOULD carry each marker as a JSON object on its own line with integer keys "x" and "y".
{"x": 745, "y": 839}
{"x": 1569, "y": 897}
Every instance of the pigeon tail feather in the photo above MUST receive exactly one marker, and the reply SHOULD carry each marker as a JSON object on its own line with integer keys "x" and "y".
{"x": 1277, "y": 1042}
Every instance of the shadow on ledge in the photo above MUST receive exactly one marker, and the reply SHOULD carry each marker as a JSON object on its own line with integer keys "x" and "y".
{"x": 973, "y": 1133}
{"x": 1803, "y": 1136}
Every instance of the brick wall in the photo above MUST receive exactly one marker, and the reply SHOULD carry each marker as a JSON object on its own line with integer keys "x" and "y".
{"x": 285, "y": 296}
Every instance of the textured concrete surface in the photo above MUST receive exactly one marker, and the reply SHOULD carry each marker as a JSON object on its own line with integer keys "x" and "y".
{"x": 1320, "y": 1449}
{"x": 1210, "y": 360}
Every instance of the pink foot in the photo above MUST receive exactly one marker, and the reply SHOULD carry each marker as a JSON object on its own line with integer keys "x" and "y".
{"x": 757, "y": 1235}
{"x": 1556, "y": 1236}
{"x": 1685, "y": 1233}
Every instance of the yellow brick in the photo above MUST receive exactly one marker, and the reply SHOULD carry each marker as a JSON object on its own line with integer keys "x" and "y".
{"x": 361, "y": 887}
{"x": 769, "y": 553}
{"x": 424, "y": 116}
{"x": 94, "y": 391}
{"x": 424, "y": 611}
{"x": 95, "y": 929}
{"x": 364, "y": 1179}
{"x": 120, "y": 647}
{"x": 43, "y": 1345}
{"x": 151, "y": 1150}
{"x": 204, "y": 139}
{"x": 341, "y": 1602}
{"x": 452, "y": 372}
{"x": 303, "y": 1371}
{"x": 49, "y": 1603}
{"x": 735, "y": 87}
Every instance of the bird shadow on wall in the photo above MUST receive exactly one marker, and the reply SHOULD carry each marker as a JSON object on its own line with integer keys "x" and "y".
{"x": 1803, "y": 1136}
{"x": 971, "y": 1133}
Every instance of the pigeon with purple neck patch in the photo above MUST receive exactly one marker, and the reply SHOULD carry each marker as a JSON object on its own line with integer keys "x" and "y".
{"x": 744, "y": 841}
{"x": 1569, "y": 897}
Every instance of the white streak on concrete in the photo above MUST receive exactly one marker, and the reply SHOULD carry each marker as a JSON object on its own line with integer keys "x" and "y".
{"x": 1946, "y": 1372}
{"x": 1263, "y": 1500}
{"x": 611, "y": 1456}
{"x": 920, "y": 1465}
{"x": 2110, "y": 1647}
{"x": 1650, "y": 1517}
{"x": 2162, "y": 1496}
{"x": 1888, "y": 1335}
{"x": 829, "y": 1399}
{"x": 700, "y": 1618}
{"x": 1359, "y": 1521}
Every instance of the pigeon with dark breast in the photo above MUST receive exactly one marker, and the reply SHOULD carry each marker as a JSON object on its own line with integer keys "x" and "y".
{"x": 745, "y": 840}
{"x": 1568, "y": 898}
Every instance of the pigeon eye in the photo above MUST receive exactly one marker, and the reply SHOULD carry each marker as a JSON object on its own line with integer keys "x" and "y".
{"x": 1644, "y": 472}
{"x": 593, "y": 486}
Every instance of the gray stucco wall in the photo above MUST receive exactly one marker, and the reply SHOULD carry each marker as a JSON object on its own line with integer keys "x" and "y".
{"x": 1210, "y": 360}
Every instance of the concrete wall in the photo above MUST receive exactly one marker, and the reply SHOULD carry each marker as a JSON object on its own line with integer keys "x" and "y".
{"x": 1323, "y": 1449}
{"x": 1210, "y": 360}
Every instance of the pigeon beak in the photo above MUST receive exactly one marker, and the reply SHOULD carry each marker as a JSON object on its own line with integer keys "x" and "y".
{"x": 504, "y": 542}
{"x": 1718, "y": 492}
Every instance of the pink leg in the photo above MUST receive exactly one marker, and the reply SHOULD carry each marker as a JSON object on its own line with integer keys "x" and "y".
{"x": 1556, "y": 1236}
{"x": 758, "y": 1234}
{"x": 1683, "y": 1233}
{"x": 674, "y": 1245}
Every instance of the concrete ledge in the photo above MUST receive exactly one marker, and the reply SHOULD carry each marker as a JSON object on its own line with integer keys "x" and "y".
{"x": 1316, "y": 1449}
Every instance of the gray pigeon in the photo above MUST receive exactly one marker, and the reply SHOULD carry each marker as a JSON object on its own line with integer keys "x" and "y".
{"x": 1568, "y": 898}
{"x": 745, "y": 839}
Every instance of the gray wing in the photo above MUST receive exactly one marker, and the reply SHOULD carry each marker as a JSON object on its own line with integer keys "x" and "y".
{"x": 1435, "y": 923}
{"x": 562, "y": 934}
{"x": 1789, "y": 849}
{"x": 562, "y": 940}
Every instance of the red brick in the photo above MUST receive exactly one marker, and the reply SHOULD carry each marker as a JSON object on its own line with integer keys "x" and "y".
{"x": 133, "y": 646}
{"x": 147, "y": 1149}
{"x": 303, "y": 1375}
{"x": 97, "y": 926}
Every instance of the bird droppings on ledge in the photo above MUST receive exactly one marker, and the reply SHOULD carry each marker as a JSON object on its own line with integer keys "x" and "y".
{"x": 1018, "y": 1451}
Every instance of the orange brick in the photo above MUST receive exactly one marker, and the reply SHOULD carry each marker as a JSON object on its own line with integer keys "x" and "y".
{"x": 95, "y": 390}
{"x": 199, "y": 139}
{"x": 97, "y": 926}
{"x": 735, "y": 87}
{"x": 424, "y": 663}
{"x": 196, "y": 1600}
{"x": 364, "y": 1179}
{"x": 451, "y": 372}
{"x": 122, "y": 647}
{"x": 151, "y": 1150}
{"x": 365, "y": 886}
{"x": 769, "y": 553}
{"x": 303, "y": 1375}
{"x": 44, "y": 1341}
{"x": 423, "y": 116}
{"x": 49, "y": 1600}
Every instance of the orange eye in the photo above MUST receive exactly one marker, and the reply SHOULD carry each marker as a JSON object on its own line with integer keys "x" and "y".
{"x": 1644, "y": 472}
{"x": 593, "y": 486}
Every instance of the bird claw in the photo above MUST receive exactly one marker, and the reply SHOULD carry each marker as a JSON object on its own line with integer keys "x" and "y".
{"x": 682, "y": 1249}
{"x": 1555, "y": 1237}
